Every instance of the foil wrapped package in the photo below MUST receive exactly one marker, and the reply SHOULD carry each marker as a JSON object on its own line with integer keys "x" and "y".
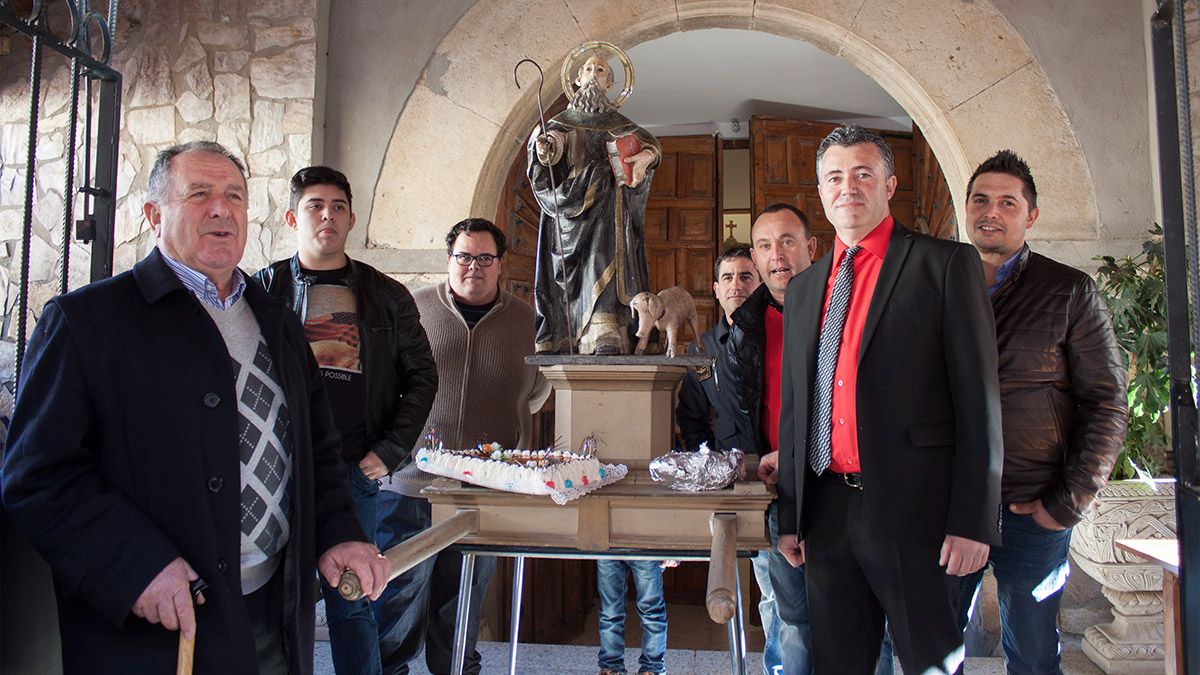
{"x": 699, "y": 470}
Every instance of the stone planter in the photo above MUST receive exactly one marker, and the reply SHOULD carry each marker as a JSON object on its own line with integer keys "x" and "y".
{"x": 1133, "y": 641}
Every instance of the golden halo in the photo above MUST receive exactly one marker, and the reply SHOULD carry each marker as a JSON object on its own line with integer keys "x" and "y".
{"x": 569, "y": 68}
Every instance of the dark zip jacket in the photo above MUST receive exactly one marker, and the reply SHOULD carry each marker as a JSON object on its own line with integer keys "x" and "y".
{"x": 401, "y": 376}
{"x": 742, "y": 366}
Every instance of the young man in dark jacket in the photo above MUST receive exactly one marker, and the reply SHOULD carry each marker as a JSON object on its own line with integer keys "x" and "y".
{"x": 708, "y": 408}
{"x": 365, "y": 332}
{"x": 1062, "y": 396}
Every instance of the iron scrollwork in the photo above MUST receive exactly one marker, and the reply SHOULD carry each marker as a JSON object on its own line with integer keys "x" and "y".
{"x": 86, "y": 23}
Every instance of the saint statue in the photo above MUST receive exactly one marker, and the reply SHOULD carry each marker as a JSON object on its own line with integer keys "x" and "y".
{"x": 590, "y": 169}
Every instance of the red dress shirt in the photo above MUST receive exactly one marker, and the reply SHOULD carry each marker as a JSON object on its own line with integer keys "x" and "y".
{"x": 772, "y": 375}
{"x": 845, "y": 379}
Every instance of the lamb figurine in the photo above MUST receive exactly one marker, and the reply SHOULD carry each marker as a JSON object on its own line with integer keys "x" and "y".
{"x": 666, "y": 311}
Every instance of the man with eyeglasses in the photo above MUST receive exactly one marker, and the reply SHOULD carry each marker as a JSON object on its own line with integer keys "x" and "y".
{"x": 363, "y": 329}
{"x": 480, "y": 336}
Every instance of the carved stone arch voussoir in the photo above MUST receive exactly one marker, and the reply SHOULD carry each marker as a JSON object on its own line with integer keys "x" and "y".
{"x": 961, "y": 70}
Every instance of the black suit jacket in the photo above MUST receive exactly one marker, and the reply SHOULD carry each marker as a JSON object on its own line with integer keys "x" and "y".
{"x": 123, "y": 455}
{"x": 928, "y": 406}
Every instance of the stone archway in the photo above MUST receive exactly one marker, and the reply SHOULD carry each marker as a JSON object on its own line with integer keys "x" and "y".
{"x": 960, "y": 69}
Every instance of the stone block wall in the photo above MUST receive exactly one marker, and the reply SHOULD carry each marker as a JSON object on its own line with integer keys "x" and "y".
{"x": 238, "y": 72}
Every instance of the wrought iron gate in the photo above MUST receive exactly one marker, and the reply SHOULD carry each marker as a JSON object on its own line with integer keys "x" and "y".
{"x": 86, "y": 43}
{"x": 1178, "y": 192}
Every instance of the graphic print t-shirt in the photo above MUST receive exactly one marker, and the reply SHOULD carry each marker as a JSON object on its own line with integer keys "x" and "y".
{"x": 331, "y": 326}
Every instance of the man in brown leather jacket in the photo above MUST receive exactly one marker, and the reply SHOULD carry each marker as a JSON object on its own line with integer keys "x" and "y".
{"x": 1062, "y": 391}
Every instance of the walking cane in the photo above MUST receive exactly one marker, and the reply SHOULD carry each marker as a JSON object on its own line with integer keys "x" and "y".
{"x": 187, "y": 646}
{"x": 187, "y": 649}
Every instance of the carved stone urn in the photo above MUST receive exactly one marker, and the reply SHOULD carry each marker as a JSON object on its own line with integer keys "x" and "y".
{"x": 1133, "y": 641}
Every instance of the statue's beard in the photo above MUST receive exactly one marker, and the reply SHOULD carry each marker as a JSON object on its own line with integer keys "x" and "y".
{"x": 591, "y": 98}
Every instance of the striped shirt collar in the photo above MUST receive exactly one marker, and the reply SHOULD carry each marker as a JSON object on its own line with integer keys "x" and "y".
{"x": 202, "y": 287}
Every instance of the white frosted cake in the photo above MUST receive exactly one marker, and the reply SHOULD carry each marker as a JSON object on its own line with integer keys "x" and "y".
{"x": 560, "y": 474}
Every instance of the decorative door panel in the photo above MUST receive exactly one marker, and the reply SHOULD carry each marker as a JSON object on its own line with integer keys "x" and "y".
{"x": 657, "y": 225}
{"x": 666, "y": 177}
{"x": 660, "y": 259}
{"x": 689, "y": 192}
{"x": 693, "y": 225}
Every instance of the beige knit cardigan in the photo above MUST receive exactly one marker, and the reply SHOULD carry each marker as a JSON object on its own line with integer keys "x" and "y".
{"x": 485, "y": 390}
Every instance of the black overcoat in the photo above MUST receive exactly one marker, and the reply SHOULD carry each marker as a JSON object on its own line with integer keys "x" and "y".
{"x": 123, "y": 455}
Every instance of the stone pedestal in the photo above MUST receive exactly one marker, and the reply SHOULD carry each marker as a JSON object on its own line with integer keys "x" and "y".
{"x": 1133, "y": 641}
{"x": 627, "y": 403}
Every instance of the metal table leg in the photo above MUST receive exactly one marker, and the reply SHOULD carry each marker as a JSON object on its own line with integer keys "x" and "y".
{"x": 737, "y": 632}
{"x": 463, "y": 614}
{"x": 515, "y": 619}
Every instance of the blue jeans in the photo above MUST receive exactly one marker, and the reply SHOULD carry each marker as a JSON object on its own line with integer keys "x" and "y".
{"x": 353, "y": 637}
{"x": 418, "y": 608}
{"x": 772, "y": 659}
{"x": 791, "y": 604}
{"x": 1031, "y": 570}
{"x": 651, "y": 609}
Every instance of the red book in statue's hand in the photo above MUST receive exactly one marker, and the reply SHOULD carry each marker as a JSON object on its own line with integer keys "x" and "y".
{"x": 618, "y": 151}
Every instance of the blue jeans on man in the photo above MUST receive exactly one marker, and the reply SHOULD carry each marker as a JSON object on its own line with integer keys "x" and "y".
{"x": 772, "y": 658}
{"x": 353, "y": 636}
{"x": 790, "y": 592}
{"x": 418, "y": 608}
{"x": 791, "y": 604}
{"x": 651, "y": 608}
{"x": 1031, "y": 570}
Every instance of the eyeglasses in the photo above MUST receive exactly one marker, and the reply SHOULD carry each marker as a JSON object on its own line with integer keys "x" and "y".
{"x": 483, "y": 259}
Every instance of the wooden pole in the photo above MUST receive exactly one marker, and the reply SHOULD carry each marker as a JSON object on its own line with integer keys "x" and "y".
{"x": 187, "y": 650}
{"x": 722, "y": 568}
{"x": 408, "y": 554}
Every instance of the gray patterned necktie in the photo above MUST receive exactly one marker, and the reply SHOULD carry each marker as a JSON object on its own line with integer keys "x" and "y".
{"x": 820, "y": 420}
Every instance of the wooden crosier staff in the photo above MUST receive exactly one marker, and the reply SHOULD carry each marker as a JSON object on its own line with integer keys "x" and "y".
{"x": 554, "y": 190}
{"x": 408, "y": 554}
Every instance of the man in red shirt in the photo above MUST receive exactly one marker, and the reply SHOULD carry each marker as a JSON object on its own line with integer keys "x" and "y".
{"x": 782, "y": 247}
{"x": 889, "y": 443}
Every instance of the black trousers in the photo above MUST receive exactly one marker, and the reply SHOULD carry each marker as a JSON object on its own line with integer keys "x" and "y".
{"x": 857, "y": 577}
{"x": 265, "y": 607}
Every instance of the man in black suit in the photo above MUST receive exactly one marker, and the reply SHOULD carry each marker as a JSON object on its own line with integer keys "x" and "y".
{"x": 890, "y": 441}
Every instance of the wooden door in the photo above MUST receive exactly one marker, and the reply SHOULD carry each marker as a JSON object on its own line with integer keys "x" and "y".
{"x": 683, "y": 220}
{"x": 934, "y": 203}
{"x": 783, "y": 159}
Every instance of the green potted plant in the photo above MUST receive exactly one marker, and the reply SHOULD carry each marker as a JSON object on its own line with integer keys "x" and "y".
{"x": 1133, "y": 505}
{"x": 1135, "y": 289}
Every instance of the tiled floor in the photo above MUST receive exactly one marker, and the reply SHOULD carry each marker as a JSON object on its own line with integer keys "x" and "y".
{"x": 691, "y": 636}
{"x": 577, "y": 660}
